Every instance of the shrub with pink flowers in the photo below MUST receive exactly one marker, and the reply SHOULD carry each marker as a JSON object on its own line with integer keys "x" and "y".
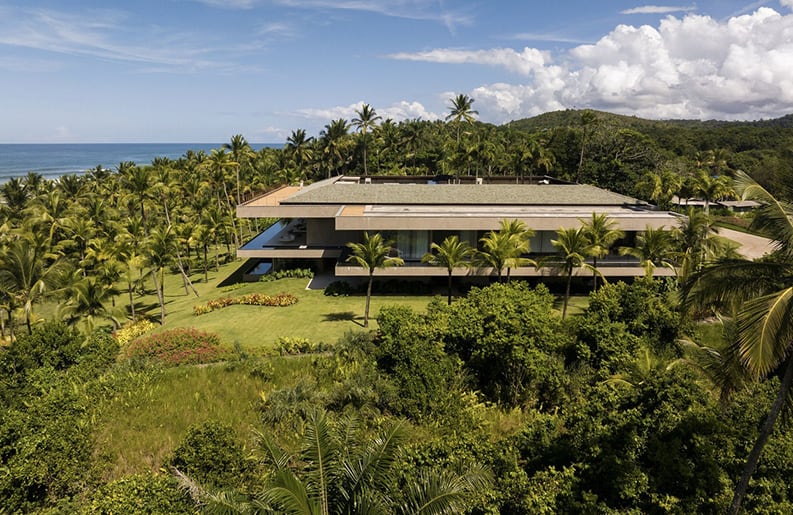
{"x": 252, "y": 299}
{"x": 183, "y": 346}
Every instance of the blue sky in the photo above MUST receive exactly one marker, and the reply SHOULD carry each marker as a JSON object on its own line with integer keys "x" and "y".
{"x": 203, "y": 70}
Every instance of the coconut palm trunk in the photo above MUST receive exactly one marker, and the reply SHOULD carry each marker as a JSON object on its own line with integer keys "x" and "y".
{"x": 762, "y": 439}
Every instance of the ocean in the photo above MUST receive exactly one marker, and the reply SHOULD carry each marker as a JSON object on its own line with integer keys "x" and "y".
{"x": 53, "y": 160}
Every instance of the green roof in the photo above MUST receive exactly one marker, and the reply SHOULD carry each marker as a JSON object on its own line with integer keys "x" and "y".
{"x": 459, "y": 194}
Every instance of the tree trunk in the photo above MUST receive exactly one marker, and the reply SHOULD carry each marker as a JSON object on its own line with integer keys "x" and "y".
{"x": 368, "y": 298}
{"x": 567, "y": 294}
{"x": 160, "y": 297}
{"x": 762, "y": 439}
{"x": 449, "y": 299}
{"x": 131, "y": 300}
{"x": 594, "y": 272}
{"x": 206, "y": 275}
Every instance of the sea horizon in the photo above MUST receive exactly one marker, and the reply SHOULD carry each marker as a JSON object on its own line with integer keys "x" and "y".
{"x": 53, "y": 160}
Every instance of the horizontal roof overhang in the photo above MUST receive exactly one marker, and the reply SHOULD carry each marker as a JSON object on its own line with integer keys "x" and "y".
{"x": 289, "y": 253}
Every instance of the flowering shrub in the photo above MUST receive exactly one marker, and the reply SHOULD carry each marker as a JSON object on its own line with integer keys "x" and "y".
{"x": 183, "y": 346}
{"x": 289, "y": 345}
{"x": 298, "y": 273}
{"x": 132, "y": 330}
{"x": 253, "y": 299}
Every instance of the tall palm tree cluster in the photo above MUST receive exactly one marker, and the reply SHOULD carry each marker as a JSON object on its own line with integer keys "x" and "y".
{"x": 706, "y": 177}
{"x": 84, "y": 241}
{"x": 368, "y": 143}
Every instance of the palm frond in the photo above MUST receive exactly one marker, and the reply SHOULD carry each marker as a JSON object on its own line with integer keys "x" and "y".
{"x": 734, "y": 281}
{"x": 290, "y": 495}
{"x": 774, "y": 217}
{"x": 765, "y": 328}
{"x": 374, "y": 464}
{"x": 220, "y": 502}
{"x": 321, "y": 452}
{"x": 442, "y": 492}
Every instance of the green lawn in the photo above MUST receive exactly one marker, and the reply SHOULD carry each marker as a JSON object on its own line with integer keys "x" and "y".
{"x": 317, "y": 317}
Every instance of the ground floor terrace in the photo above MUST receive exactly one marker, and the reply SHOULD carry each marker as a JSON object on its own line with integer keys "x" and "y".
{"x": 289, "y": 243}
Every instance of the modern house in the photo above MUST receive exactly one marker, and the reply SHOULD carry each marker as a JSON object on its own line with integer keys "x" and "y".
{"x": 317, "y": 221}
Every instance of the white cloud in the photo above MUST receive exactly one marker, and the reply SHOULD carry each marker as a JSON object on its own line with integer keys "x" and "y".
{"x": 658, "y": 9}
{"x": 429, "y": 10}
{"x": 398, "y": 111}
{"x": 104, "y": 34}
{"x": 786, "y": 3}
{"x": 523, "y": 62}
{"x": 689, "y": 67}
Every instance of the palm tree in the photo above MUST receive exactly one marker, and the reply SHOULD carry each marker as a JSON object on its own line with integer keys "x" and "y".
{"x": 86, "y": 301}
{"x": 761, "y": 294}
{"x": 654, "y": 247}
{"x": 372, "y": 254}
{"x": 158, "y": 250}
{"x": 451, "y": 254}
{"x": 367, "y": 119}
{"x": 696, "y": 241}
{"x": 573, "y": 246}
{"x": 334, "y": 144}
{"x": 298, "y": 146}
{"x": 343, "y": 470}
{"x": 602, "y": 234}
{"x": 461, "y": 110}
{"x": 138, "y": 182}
{"x": 241, "y": 153}
{"x": 711, "y": 188}
{"x": 505, "y": 248}
{"x": 661, "y": 187}
{"x": 27, "y": 274}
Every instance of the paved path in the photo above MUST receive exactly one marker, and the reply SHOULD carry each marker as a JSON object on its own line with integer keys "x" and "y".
{"x": 752, "y": 247}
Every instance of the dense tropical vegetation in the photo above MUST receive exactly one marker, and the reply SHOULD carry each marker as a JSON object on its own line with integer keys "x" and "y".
{"x": 652, "y": 396}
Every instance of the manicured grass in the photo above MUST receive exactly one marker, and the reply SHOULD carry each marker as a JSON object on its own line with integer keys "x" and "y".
{"x": 139, "y": 428}
{"x": 316, "y": 317}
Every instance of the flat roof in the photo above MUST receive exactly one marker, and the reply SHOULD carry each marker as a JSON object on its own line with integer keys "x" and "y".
{"x": 458, "y": 194}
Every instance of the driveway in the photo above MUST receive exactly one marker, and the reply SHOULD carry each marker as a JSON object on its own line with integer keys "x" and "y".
{"x": 752, "y": 247}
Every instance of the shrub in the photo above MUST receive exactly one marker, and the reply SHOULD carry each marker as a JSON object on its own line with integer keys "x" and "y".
{"x": 211, "y": 454}
{"x": 141, "y": 495}
{"x": 177, "y": 347}
{"x": 294, "y": 273}
{"x": 338, "y": 288}
{"x": 132, "y": 330}
{"x": 253, "y": 299}
{"x": 289, "y": 345}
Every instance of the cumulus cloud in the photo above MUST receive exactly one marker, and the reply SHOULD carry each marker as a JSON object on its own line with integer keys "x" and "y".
{"x": 787, "y": 3}
{"x": 686, "y": 67}
{"x": 520, "y": 62}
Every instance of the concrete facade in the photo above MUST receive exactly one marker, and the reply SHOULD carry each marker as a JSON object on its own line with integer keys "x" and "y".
{"x": 318, "y": 220}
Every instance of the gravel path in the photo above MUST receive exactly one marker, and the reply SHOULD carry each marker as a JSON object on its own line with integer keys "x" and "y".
{"x": 752, "y": 247}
